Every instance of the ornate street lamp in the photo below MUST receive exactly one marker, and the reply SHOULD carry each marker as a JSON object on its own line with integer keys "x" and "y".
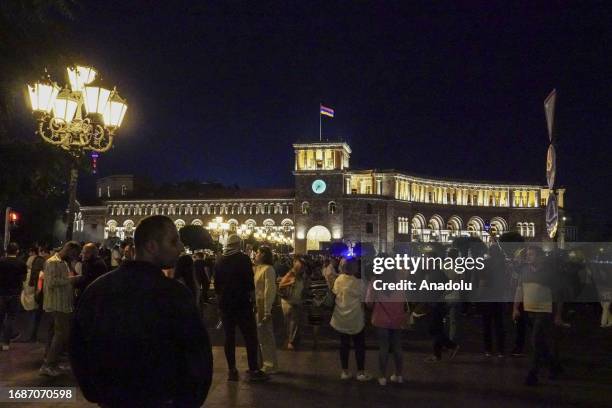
{"x": 77, "y": 118}
{"x": 217, "y": 227}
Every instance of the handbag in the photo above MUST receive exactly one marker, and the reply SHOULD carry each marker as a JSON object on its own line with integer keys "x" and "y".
{"x": 286, "y": 292}
{"x": 329, "y": 301}
{"x": 28, "y": 294}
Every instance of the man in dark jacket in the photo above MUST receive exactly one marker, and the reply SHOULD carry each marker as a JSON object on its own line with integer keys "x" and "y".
{"x": 12, "y": 274}
{"x": 93, "y": 267}
{"x": 235, "y": 286}
{"x": 137, "y": 338}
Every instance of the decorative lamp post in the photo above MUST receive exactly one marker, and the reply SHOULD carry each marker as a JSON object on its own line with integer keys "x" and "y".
{"x": 78, "y": 118}
{"x": 218, "y": 227}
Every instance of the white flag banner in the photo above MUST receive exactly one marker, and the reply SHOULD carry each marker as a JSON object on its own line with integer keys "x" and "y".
{"x": 549, "y": 110}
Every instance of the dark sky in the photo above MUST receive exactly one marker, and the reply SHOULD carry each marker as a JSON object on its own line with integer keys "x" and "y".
{"x": 220, "y": 92}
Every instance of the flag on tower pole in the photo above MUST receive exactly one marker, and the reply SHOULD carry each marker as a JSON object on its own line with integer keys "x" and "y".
{"x": 327, "y": 111}
{"x": 324, "y": 111}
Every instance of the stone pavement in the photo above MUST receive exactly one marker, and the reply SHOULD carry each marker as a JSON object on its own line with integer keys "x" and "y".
{"x": 311, "y": 378}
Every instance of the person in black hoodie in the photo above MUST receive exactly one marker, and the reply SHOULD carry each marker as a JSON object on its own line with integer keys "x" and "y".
{"x": 137, "y": 338}
{"x": 235, "y": 288}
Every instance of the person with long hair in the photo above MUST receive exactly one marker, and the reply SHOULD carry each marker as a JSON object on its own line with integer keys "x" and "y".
{"x": 291, "y": 288}
{"x": 265, "y": 295}
{"x": 348, "y": 317}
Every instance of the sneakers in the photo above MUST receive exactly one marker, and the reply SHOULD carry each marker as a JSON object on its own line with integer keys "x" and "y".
{"x": 6, "y": 347}
{"x": 517, "y": 353}
{"x": 64, "y": 367}
{"x": 233, "y": 375}
{"x": 269, "y": 370}
{"x": 257, "y": 376}
{"x": 49, "y": 371}
{"x": 382, "y": 381}
{"x": 363, "y": 377}
{"x": 345, "y": 375}
{"x": 398, "y": 379}
{"x": 487, "y": 354}
{"x": 500, "y": 355}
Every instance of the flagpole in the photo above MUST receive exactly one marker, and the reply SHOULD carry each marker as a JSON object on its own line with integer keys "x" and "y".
{"x": 320, "y": 136}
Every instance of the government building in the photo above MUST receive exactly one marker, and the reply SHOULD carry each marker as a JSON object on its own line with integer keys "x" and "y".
{"x": 330, "y": 202}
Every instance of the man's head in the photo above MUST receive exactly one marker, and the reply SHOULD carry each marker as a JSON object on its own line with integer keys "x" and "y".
{"x": 12, "y": 249}
{"x": 70, "y": 251}
{"x": 232, "y": 242}
{"x": 199, "y": 255}
{"x": 90, "y": 251}
{"x": 156, "y": 240}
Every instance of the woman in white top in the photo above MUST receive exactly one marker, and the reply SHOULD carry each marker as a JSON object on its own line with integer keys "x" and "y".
{"x": 348, "y": 317}
{"x": 265, "y": 295}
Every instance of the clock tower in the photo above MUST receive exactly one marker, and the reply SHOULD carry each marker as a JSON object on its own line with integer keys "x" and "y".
{"x": 319, "y": 189}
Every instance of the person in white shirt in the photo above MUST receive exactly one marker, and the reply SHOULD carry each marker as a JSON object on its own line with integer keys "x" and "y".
{"x": 265, "y": 295}
{"x": 348, "y": 317}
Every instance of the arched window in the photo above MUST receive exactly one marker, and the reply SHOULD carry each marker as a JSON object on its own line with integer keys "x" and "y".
{"x": 331, "y": 207}
{"x": 305, "y": 208}
{"x": 123, "y": 190}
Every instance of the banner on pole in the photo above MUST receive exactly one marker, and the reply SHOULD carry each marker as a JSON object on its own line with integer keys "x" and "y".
{"x": 551, "y": 166}
{"x": 549, "y": 110}
{"x": 552, "y": 215}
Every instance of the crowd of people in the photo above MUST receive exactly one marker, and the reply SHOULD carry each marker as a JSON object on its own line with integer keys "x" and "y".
{"x": 138, "y": 333}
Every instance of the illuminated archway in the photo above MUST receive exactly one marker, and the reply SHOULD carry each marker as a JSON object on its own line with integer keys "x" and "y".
{"x": 315, "y": 236}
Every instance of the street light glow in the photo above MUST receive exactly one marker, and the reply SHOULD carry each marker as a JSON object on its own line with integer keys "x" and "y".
{"x": 95, "y": 99}
{"x": 42, "y": 96}
{"x": 80, "y": 76}
{"x": 114, "y": 111}
{"x": 65, "y": 106}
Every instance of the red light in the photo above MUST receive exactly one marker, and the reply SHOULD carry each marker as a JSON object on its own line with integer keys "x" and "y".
{"x": 13, "y": 217}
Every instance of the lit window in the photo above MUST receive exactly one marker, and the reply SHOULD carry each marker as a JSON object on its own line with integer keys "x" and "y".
{"x": 123, "y": 190}
{"x": 331, "y": 207}
{"x": 305, "y": 208}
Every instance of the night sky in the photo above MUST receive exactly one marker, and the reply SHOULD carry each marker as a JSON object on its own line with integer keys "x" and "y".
{"x": 220, "y": 92}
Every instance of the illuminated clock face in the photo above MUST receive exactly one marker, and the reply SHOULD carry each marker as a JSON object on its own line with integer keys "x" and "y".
{"x": 318, "y": 186}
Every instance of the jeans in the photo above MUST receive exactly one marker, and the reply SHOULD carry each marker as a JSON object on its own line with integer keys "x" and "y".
{"x": 493, "y": 320}
{"x": 345, "y": 347}
{"x": 389, "y": 342}
{"x": 454, "y": 312}
{"x": 606, "y": 316}
{"x": 9, "y": 305}
{"x": 293, "y": 317}
{"x": 59, "y": 341}
{"x": 545, "y": 345}
{"x": 35, "y": 318}
{"x": 267, "y": 343}
{"x": 521, "y": 331}
{"x": 245, "y": 320}
{"x": 440, "y": 340}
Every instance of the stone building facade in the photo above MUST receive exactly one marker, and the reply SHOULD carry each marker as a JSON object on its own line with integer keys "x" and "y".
{"x": 332, "y": 202}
